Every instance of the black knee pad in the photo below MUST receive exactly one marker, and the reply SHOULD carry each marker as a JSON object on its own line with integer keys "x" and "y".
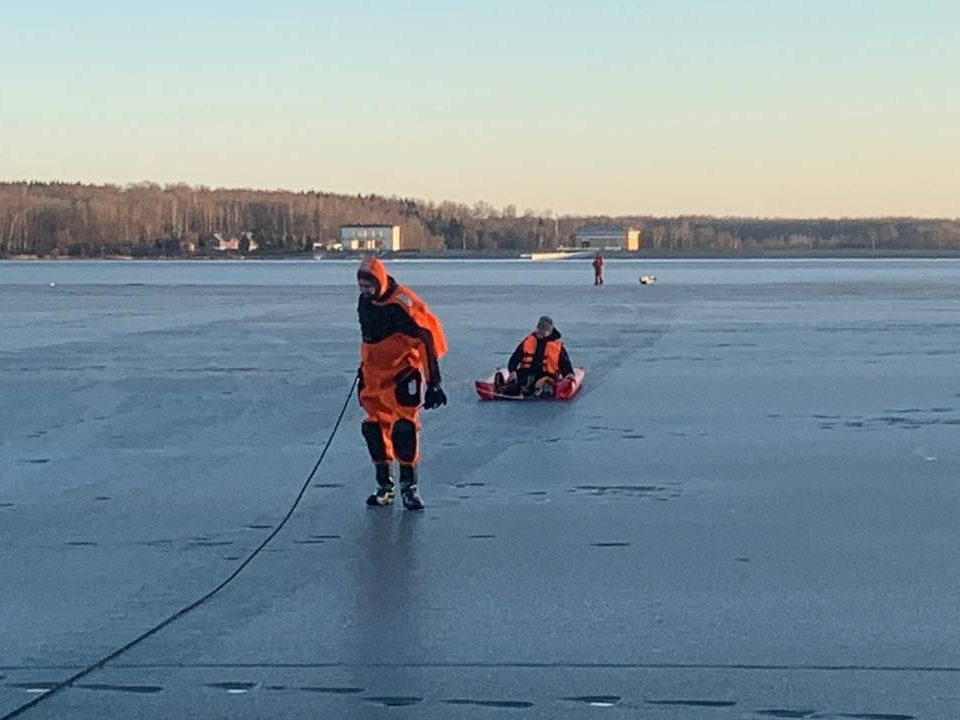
{"x": 404, "y": 436}
{"x": 373, "y": 436}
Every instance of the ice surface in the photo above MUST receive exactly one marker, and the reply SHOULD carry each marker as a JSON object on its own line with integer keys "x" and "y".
{"x": 753, "y": 500}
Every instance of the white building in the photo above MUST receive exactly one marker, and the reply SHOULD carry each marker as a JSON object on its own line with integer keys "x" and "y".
{"x": 385, "y": 238}
{"x": 225, "y": 244}
{"x": 234, "y": 242}
{"x": 600, "y": 236}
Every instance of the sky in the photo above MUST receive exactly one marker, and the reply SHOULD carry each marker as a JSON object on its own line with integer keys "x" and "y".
{"x": 769, "y": 108}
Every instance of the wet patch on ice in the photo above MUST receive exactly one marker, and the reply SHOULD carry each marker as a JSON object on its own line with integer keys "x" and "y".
{"x": 394, "y": 700}
{"x": 160, "y": 542}
{"x": 332, "y": 690}
{"x": 903, "y": 419}
{"x": 134, "y": 689}
{"x": 6, "y": 505}
{"x": 259, "y": 527}
{"x": 595, "y": 700}
{"x": 33, "y": 461}
{"x": 102, "y": 498}
{"x": 607, "y": 428}
{"x": 633, "y": 491}
{"x": 34, "y": 687}
{"x": 81, "y": 543}
{"x": 610, "y": 544}
{"x": 481, "y": 537}
{"x": 693, "y": 703}
{"x": 506, "y": 704}
{"x": 467, "y": 488}
{"x": 327, "y": 485}
{"x": 234, "y": 688}
{"x": 604, "y": 432}
{"x": 205, "y": 543}
{"x": 217, "y": 369}
{"x": 800, "y": 713}
{"x": 317, "y": 539}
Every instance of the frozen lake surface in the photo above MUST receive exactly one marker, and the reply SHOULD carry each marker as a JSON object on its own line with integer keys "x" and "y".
{"x": 750, "y": 510}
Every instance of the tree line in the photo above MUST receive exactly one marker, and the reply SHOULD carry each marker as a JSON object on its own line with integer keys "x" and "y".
{"x": 150, "y": 220}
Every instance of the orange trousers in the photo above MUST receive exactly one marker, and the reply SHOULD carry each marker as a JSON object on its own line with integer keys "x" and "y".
{"x": 392, "y": 424}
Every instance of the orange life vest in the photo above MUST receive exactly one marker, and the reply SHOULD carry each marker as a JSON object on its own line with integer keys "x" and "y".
{"x": 419, "y": 312}
{"x": 551, "y": 355}
{"x": 400, "y": 351}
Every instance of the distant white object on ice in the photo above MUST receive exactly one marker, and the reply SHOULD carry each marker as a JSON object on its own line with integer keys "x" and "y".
{"x": 556, "y": 255}
{"x": 648, "y": 279}
{"x": 53, "y": 284}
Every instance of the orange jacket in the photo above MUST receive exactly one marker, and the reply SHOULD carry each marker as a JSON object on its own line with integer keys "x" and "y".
{"x": 399, "y": 330}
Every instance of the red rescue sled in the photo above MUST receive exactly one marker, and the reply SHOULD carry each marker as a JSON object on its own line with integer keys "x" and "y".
{"x": 563, "y": 389}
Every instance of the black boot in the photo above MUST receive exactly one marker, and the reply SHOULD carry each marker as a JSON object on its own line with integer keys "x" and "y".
{"x": 384, "y": 494}
{"x": 408, "y": 488}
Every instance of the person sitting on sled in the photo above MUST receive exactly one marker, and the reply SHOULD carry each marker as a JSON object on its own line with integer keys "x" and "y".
{"x": 538, "y": 362}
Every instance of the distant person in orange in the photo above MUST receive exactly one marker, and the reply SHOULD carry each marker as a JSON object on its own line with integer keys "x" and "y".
{"x": 402, "y": 342}
{"x": 598, "y": 269}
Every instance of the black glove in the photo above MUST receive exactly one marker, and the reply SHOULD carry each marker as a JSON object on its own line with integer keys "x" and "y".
{"x": 434, "y": 397}
{"x": 359, "y": 383}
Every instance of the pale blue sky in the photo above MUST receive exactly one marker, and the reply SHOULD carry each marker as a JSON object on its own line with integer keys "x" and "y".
{"x": 729, "y": 107}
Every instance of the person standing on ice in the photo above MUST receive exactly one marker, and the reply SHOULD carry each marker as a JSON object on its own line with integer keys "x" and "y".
{"x": 539, "y": 359}
{"x": 402, "y": 342}
{"x": 598, "y": 269}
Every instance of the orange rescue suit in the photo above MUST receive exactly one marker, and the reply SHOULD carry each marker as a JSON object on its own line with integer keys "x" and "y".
{"x": 402, "y": 341}
{"x": 398, "y": 350}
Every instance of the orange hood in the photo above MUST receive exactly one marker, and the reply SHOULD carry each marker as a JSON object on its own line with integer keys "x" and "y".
{"x": 374, "y": 270}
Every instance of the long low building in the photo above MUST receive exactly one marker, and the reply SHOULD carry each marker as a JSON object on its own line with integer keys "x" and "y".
{"x": 600, "y": 236}
{"x": 384, "y": 238}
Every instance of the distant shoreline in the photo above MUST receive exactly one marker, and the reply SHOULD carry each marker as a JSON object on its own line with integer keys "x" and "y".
{"x": 769, "y": 254}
